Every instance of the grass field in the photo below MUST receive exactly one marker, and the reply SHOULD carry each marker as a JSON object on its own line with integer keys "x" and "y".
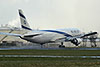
{"x": 50, "y": 62}
{"x": 52, "y": 52}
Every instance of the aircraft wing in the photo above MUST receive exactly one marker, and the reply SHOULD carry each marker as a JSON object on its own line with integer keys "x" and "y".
{"x": 10, "y": 34}
{"x": 80, "y": 36}
{"x": 89, "y": 34}
{"x": 75, "y": 40}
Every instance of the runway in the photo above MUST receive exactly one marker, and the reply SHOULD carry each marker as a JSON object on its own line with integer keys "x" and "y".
{"x": 49, "y": 56}
{"x": 29, "y": 47}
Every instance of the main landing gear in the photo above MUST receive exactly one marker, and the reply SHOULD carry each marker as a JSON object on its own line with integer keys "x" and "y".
{"x": 42, "y": 45}
{"x": 61, "y": 46}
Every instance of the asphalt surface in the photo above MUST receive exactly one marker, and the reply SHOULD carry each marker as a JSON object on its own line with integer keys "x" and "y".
{"x": 49, "y": 56}
{"x": 39, "y": 48}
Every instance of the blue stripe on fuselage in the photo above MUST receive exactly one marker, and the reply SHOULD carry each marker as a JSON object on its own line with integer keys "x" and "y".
{"x": 60, "y": 32}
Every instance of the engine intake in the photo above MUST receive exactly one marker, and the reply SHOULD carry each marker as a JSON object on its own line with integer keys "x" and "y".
{"x": 76, "y": 41}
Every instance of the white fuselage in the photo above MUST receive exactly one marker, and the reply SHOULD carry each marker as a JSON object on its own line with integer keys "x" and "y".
{"x": 47, "y": 36}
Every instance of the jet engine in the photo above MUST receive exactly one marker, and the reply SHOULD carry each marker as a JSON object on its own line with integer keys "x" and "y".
{"x": 76, "y": 41}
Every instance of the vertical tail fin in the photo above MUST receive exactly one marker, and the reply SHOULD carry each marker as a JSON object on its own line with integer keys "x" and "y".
{"x": 24, "y": 23}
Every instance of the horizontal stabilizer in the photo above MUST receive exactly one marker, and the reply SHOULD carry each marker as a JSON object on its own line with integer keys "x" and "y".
{"x": 10, "y": 34}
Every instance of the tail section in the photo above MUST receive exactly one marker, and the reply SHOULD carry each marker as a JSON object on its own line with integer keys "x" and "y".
{"x": 24, "y": 23}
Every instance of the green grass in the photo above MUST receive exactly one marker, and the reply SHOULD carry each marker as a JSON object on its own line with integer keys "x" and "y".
{"x": 52, "y": 52}
{"x": 49, "y": 62}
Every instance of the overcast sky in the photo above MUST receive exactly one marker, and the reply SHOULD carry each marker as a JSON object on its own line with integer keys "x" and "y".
{"x": 53, "y": 14}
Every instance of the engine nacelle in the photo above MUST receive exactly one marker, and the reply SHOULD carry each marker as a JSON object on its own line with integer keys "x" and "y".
{"x": 76, "y": 41}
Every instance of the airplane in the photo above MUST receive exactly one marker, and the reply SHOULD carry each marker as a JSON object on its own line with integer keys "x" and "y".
{"x": 72, "y": 35}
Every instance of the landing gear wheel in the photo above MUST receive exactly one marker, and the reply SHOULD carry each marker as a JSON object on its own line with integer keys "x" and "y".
{"x": 61, "y": 46}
